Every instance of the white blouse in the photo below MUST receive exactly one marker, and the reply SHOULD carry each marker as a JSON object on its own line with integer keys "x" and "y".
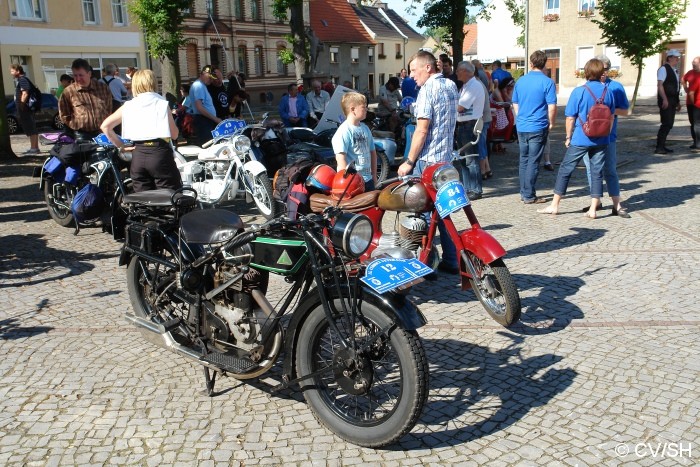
{"x": 145, "y": 117}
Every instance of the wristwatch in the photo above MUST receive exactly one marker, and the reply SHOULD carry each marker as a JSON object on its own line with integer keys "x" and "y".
{"x": 410, "y": 162}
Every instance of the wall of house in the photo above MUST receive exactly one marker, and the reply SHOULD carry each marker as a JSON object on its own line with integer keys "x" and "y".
{"x": 47, "y": 43}
{"x": 498, "y": 35}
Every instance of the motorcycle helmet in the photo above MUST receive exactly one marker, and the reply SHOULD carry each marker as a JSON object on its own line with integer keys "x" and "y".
{"x": 321, "y": 178}
{"x": 347, "y": 184}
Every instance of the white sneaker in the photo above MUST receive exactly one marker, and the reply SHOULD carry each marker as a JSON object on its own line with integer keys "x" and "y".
{"x": 32, "y": 151}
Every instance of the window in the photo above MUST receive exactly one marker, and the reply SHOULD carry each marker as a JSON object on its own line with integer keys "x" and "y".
{"x": 335, "y": 55}
{"x": 191, "y": 59}
{"x": 382, "y": 79}
{"x": 254, "y": 10}
{"x": 380, "y": 50}
{"x": 281, "y": 66}
{"x": 211, "y": 8}
{"x": 583, "y": 54}
{"x": 551, "y": 7}
{"x": 259, "y": 60}
{"x": 355, "y": 82}
{"x": 613, "y": 54}
{"x": 119, "y": 12}
{"x": 91, "y": 15}
{"x": 355, "y": 54}
{"x": 243, "y": 59}
{"x": 586, "y": 7}
{"x": 370, "y": 55}
{"x": 238, "y": 9}
{"x": 27, "y": 9}
{"x": 398, "y": 51}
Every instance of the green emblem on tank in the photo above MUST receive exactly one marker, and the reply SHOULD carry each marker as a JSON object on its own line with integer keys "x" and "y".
{"x": 285, "y": 259}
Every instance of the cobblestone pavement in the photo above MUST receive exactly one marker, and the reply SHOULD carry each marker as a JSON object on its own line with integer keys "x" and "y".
{"x": 603, "y": 368}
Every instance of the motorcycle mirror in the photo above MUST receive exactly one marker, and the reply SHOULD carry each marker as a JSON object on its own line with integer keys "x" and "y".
{"x": 479, "y": 127}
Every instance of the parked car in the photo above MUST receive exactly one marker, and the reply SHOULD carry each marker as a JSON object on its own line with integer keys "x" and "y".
{"x": 48, "y": 115}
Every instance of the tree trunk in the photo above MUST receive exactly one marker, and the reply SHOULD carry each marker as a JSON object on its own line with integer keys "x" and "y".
{"x": 457, "y": 28}
{"x": 171, "y": 74}
{"x": 6, "y": 152}
{"x": 640, "y": 66}
{"x": 296, "y": 23}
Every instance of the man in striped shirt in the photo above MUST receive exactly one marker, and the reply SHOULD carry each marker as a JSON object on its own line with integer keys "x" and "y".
{"x": 85, "y": 104}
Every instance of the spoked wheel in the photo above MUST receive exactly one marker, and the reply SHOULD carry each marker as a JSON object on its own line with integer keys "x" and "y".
{"x": 373, "y": 394}
{"x": 262, "y": 195}
{"x": 383, "y": 166}
{"x": 496, "y": 290}
{"x": 58, "y": 198}
{"x": 148, "y": 284}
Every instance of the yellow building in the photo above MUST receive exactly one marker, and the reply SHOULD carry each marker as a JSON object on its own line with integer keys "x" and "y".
{"x": 45, "y": 36}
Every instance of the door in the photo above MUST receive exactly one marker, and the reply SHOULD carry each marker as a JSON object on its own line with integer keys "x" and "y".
{"x": 553, "y": 57}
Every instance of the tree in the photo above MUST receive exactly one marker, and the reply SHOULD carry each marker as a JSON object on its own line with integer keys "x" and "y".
{"x": 6, "y": 152}
{"x": 161, "y": 22}
{"x": 639, "y": 28}
{"x": 517, "y": 12}
{"x": 298, "y": 36}
{"x": 451, "y": 15}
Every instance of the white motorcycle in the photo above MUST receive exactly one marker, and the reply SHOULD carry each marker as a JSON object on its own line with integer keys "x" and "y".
{"x": 226, "y": 169}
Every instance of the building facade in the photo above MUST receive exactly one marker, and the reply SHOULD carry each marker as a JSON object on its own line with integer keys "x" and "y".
{"x": 46, "y": 36}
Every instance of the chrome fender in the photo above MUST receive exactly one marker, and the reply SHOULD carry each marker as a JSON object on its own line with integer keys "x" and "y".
{"x": 254, "y": 167}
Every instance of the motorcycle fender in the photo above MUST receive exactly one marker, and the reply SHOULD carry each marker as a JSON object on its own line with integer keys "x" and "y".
{"x": 407, "y": 316}
{"x": 39, "y": 172}
{"x": 254, "y": 167}
{"x": 124, "y": 257}
{"x": 482, "y": 244}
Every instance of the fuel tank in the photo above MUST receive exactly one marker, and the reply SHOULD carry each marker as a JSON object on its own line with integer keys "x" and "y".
{"x": 404, "y": 198}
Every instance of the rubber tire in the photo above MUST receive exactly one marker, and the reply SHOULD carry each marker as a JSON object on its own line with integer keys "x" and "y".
{"x": 269, "y": 210}
{"x": 59, "y": 218}
{"x": 383, "y": 166}
{"x": 12, "y": 125}
{"x": 57, "y": 123}
{"x": 504, "y": 281}
{"x": 410, "y": 354}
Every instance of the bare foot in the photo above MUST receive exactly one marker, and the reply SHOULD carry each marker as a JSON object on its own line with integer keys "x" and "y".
{"x": 548, "y": 210}
{"x": 590, "y": 214}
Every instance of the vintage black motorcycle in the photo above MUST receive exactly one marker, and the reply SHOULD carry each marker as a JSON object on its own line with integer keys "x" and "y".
{"x": 198, "y": 280}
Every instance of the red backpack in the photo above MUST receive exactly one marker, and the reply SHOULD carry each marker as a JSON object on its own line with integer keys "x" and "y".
{"x": 599, "y": 120}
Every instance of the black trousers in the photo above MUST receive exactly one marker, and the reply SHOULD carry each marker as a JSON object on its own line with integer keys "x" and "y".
{"x": 668, "y": 117}
{"x": 153, "y": 166}
{"x": 202, "y": 130}
{"x": 693, "y": 111}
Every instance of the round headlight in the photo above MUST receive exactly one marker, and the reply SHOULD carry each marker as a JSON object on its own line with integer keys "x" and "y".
{"x": 444, "y": 174}
{"x": 241, "y": 143}
{"x": 352, "y": 233}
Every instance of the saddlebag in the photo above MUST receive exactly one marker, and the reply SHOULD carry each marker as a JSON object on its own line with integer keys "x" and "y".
{"x": 144, "y": 237}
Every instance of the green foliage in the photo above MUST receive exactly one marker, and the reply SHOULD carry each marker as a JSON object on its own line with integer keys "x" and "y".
{"x": 451, "y": 16}
{"x": 517, "y": 73}
{"x": 286, "y": 56}
{"x": 639, "y": 28}
{"x": 160, "y": 20}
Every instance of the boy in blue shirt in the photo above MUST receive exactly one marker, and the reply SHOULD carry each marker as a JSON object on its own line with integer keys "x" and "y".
{"x": 353, "y": 141}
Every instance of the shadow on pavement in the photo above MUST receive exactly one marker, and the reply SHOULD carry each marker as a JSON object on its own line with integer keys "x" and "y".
{"x": 495, "y": 389}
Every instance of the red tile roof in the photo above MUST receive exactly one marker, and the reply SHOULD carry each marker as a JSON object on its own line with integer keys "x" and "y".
{"x": 470, "y": 37}
{"x": 336, "y": 21}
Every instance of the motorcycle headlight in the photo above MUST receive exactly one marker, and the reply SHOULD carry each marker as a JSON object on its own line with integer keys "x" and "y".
{"x": 444, "y": 174}
{"x": 352, "y": 233}
{"x": 241, "y": 143}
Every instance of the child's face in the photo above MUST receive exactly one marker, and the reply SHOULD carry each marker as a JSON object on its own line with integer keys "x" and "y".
{"x": 360, "y": 111}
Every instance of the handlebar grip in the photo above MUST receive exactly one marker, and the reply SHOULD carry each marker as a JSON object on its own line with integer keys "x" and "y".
{"x": 207, "y": 144}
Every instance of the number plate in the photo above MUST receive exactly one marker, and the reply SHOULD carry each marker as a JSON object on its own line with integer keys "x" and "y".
{"x": 102, "y": 140}
{"x": 227, "y": 128}
{"x": 450, "y": 197}
{"x": 386, "y": 274}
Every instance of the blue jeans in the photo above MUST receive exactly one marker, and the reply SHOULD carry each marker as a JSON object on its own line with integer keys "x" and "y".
{"x": 469, "y": 167}
{"x": 609, "y": 169}
{"x": 531, "y": 151}
{"x": 571, "y": 159}
{"x": 449, "y": 251}
{"x": 483, "y": 145}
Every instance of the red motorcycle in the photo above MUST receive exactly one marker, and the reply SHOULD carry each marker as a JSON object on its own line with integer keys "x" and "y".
{"x": 437, "y": 193}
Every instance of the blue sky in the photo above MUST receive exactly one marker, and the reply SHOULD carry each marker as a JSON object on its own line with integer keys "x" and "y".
{"x": 399, "y": 6}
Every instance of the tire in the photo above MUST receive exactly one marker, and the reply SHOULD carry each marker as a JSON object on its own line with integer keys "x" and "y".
{"x": 62, "y": 216}
{"x": 496, "y": 290}
{"x": 12, "y": 125}
{"x": 57, "y": 124}
{"x": 262, "y": 195}
{"x": 383, "y": 166}
{"x": 389, "y": 409}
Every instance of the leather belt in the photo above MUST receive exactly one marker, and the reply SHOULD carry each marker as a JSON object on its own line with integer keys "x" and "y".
{"x": 153, "y": 142}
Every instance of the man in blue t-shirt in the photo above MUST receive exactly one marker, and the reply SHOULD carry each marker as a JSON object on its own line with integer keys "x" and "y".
{"x": 205, "y": 119}
{"x": 535, "y": 108}
{"x": 498, "y": 74}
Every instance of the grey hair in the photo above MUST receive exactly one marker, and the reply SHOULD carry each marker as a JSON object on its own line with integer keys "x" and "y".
{"x": 604, "y": 59}
{"x": 466, "y": 66}
{"x": 110, "y": 68}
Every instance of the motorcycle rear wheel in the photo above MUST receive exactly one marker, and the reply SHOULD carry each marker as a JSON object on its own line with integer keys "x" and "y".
{"x": 61, "y": 215}
{"x": 496, "y": 290}
{"x": 383, "y": 166}
{"x": 262, "y": 195}
{"x": 395, "y": 366}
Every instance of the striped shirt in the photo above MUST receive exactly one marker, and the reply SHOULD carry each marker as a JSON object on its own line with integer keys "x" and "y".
{"x": 84, "y": 109}
{"x": 437, "y": 102}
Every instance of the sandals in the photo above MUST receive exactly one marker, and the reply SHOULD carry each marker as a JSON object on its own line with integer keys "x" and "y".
{"x": 622, "y": 212}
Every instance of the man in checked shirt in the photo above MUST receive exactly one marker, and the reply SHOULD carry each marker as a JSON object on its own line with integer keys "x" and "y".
{"x": 85, "y": 104}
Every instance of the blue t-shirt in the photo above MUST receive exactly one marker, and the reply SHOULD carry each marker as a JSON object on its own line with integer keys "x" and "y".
{"x": 198, "y": 91}
{"x": 580, "y": 102}
{"x": 408, "y": 87}
{"x": 533, "y": 93}
{"x": 357, "y": 144}
{"x": 499, "y": 74}
{"x": 621, "y": 102}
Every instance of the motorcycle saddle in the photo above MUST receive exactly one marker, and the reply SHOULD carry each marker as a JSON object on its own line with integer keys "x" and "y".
{"x": 383, "y": 134}
{"x": 209, "y": 226}
{"x": 162, "y": 198}
{"x": 355, "y": 204}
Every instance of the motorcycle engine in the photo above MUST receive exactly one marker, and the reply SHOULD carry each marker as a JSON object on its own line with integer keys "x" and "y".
{"x": 412, "y": 229}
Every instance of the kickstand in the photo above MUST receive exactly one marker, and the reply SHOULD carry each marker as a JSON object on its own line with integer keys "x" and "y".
{"x": 210, "y": 379}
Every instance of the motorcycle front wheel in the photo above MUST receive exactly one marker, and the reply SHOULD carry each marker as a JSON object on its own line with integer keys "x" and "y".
{"x": 496, "y": 290}
{"x": 58, "y": 198}
{"x": 371, "y": 397}
{"x": 262, "y": 195}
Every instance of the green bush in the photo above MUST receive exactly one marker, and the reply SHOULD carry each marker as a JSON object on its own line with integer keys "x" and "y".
{"x": 517, "y": 73}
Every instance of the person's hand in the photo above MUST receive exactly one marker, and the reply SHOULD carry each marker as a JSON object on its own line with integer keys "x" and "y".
{"x": 404, "y": 169}
{"x": 678, "y": 107}
{"x": 567, "y": 142}
{"x": 664, "y": 103}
